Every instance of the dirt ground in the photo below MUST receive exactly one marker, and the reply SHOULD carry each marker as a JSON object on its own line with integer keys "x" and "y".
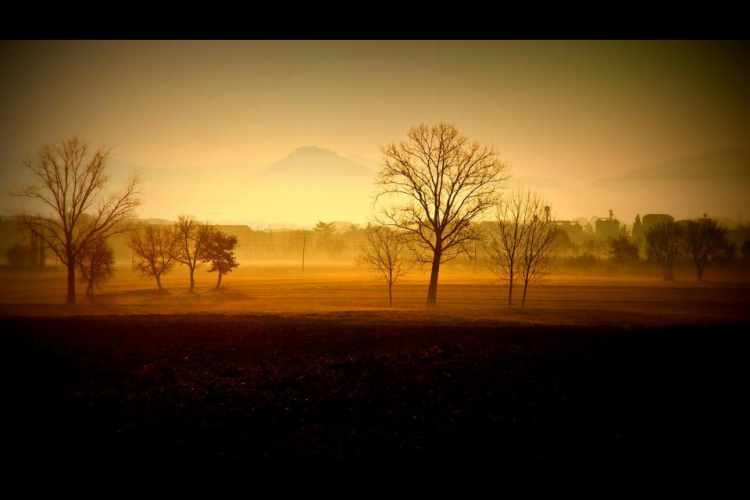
{"x": 282, "y": 364}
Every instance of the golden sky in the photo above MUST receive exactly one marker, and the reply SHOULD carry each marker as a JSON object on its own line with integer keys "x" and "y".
{"x": 566, "y": 111}
{"x": 569, "y": 111}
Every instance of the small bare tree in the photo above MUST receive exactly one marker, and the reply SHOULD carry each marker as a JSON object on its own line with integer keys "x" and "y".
{"x": 385, "y": 253}
{"x": 69, "y": 185}
{"x": 705, "y": 241}
{"x": 96, "y": 264}
{"x": 155, "y": 248}
{"x": 192, "y": 237}
{"x": 665, "y": 241}
{"x": 538, "y": 244}
{"x": 508, "y": 237}
{"x": 220, "y": 253}
{"x": 442, "y": 183}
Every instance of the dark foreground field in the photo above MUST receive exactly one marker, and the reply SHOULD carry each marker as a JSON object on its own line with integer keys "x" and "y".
{"x": 343, "y": 385}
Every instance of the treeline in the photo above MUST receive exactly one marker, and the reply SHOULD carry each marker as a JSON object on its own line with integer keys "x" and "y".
{"x": 641, "y": 251}
{"x": 158, "y": 249}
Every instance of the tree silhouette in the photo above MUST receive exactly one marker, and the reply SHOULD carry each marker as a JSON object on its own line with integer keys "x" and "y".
{"x": 665, "y": 241}
{"x": 536, "y": 251}
{"x": 441, "y": 184}
{"x": 509, "y": 230}
{"x": 20, "y": 256}
{"x": 69, "y": 183}
{"x": 155, "y": 248}
{"x": 220, "y": 254}
{"x": 385, "y": 254}
{"x": 622, "y": 251}
{"x": 325, "y": 233}
{"x": 96, "y": 265}
{"x": 192, "y": 240}
{"x": 705, "y": 241}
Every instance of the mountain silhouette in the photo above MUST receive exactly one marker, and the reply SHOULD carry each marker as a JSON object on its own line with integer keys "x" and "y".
{"x": 717, "y": 183}
{"x": 309, "y": 163}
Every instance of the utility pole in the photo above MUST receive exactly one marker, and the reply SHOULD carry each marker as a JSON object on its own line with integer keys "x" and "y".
{"x": 303, "y": 254}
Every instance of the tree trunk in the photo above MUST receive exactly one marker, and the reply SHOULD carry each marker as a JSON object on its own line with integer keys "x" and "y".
{"x": 192, "y": 280}
{"x": 510, "y": 294}
{"x": 700, "y": 274}
{"x": 158, "y": 280}
{"x": 432, "y": 291}
{"x": 218, "y": 283}
{"x": 390, "y": 294}
{"x": 523, "y": 301}
{"x": 71, "y": 298}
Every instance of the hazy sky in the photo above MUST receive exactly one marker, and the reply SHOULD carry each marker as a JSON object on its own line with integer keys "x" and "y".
{"x": 569, "y": 111}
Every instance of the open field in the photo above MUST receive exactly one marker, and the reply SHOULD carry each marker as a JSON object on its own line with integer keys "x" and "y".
{"x": 138, "y": 388}
{"x": 282, "y": 364}
{"x": 558, "y": 300}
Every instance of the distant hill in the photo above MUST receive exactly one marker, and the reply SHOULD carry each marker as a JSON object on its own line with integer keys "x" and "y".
{"x": 725, "y": 165}
{"x": 717, "y": 183}
{"x": 312, "y": 184}
{"x": 309, "y": 163}
{"x": 308, "y": 185}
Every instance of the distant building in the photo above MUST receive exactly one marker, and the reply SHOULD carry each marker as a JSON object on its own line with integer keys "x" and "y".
{"x": 652, "y": 219}
{"x": 637, "y": 228}
{"x": 607, "y": 228}
{"x": 572, "y": 228}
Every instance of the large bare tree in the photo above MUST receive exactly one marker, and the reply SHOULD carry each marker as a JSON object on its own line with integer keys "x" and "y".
{"x": 665, "y": 243}
{"x": 440, "y": 184}
{"x": 69, "y": 186}
{"x": 193, "y": 237}
{"x": 508, "y": 236}
{"x": 385, "y": 253}
{"x": 155, "y": 248}
{"x": 705, "y": 241}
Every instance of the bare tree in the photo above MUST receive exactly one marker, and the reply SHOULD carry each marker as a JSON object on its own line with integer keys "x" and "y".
{"x": 220, "y": 253}
{"x": 442, "y": 183}
{"x": 192, "y": 237}
{"x": 705, "y": 241}
{"x": 96, "y": 264}
{"x": 385, "y": 253}
{"x": 665, "y": 240}
{"x": 155, "y": 248}
{"x": 538, "y": 243}
{"x": 69, "y": 183}
{"x": 510, "y": 227}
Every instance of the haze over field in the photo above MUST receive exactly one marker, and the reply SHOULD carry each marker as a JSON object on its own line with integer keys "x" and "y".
{"x": 394, "y": 250}
{"x": 289, "y": 132}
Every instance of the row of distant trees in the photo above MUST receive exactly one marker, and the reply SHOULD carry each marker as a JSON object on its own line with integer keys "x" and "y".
{"x": 158, "y": 249}
{"x": 79, "y": 216}
{"x": 702, "y": 241}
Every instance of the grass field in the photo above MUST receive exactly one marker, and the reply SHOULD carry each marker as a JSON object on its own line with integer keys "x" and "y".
{"x": 283, "y": 364}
